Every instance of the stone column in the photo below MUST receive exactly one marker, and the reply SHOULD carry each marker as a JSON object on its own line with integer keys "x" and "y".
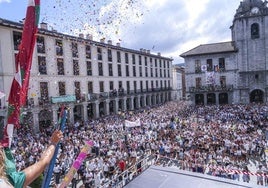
{"x": 217, "y": 98}
{"x": 55, "y": 114}
{"x": 85, "y": 114}
{"x": 71, "y": 113}
{"x": 96, "y": 109}
{"x": 116, "y": 101}
{"x": 124, "y": 104}
{"x": 107, "y": 107}
{"x": 36, "y": 121}
{"x": 144, "y": 101}
{"x": 205, "y": 99}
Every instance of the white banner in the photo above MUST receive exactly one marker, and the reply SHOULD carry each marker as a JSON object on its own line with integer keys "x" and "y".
{"x": 210, "y": 77}
{"x": 130, "y": 124}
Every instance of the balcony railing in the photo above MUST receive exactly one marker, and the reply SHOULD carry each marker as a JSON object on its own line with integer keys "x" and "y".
{"x": 91, "y": 97}
{"x": 214, "y": 88}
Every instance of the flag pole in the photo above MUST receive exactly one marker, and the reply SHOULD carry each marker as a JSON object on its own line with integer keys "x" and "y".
{"x": 49, "y": 171}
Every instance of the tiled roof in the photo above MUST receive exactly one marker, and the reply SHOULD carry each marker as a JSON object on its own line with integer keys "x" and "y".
{"x": 214, "y": 48}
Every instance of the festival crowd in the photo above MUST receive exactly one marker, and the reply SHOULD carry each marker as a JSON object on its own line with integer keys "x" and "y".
{"x": 216, "y": 140}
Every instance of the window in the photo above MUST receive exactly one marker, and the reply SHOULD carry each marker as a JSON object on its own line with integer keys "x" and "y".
{"x": 160, "y": 71}
{"x": 221, "y": 64}
{"x": 156, "y": 83}
{"x": 74, "y": 49}
{"x": 75, "y": 67}
{"x": 62, "y": 90}
{"x": 145, "y": 61}
{"x": 119, "y": 70}
{"x": 198, "y": 82}
{"x": 139, "y": 60}
{"x": 209, "y": 65}
{"x": 133, "y": 59}
{"x": 42, "y": 67}
{"x": 111, "y": 83}
{"x": 126, "y": 58}
{"x": 77, "y": 90}
{"x": 255, "y": 33}
{"x": 101, "y": 84}
{"x": 88, "y": 52}
{"x": 223, "y": 81}
{"x": 147, "y": 85}
{"x": 128, "y": 87}
{"x": 100, "y": 69}
{"x": 99, "y": 54}
{"x": 110, "y": 56}
{"x": 40, "y": 43}
{"x": 59, "y": 47}
{"x": 161, "y": 84}
{"x": 135, "y": 86}
{"x": 156, "y": 72}
{"x": 16, "y": 39}
{"x": 89, "y": 68}
{"x": 60, "y": 66}
{"x": 155, "y": 62}
{"x": 110, "y": 67}
{"x": 90, "y": 87}
{"x": 164, "y": 64}
{"x": 44, "y": 90}
{"x": 146, "y": 71}
{"x": 152, "y": 85}
{"x": 120, "y": 84}
{"x": 141, "y": 86}
{"x": 140, "y": 68}
{"x": 160, "y": 63}
{"x": 118, "y": 55}
{"x": 127, "y": 70}
{"x": 134, "y": 71}
{"x": 197, "y": 66}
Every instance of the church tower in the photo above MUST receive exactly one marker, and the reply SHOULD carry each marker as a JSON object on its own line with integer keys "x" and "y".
{"x": 250, "y": 37}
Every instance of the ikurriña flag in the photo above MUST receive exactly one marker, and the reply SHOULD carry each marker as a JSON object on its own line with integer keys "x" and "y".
{"x": 23, "y": 62}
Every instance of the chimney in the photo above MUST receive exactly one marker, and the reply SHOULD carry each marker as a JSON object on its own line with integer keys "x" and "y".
{"x": 159, "y": 54}
{"x": 89, "y": 37}
{"x": 148, "y": 52}
{"x": 110, "y": 42}
{"x": 118, "y": 44}
{"x": 102, "y": 40}
{"x": 141, "y": 49}
{"x": 43, "y": 25}
{"x": 81, "y": 35}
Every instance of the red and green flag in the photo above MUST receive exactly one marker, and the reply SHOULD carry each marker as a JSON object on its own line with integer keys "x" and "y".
{"x": 19, "y": 88}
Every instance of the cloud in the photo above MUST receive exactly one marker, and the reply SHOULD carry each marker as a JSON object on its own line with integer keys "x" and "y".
{"x": 167, "y": 26}
{"x": 5, "y": 1}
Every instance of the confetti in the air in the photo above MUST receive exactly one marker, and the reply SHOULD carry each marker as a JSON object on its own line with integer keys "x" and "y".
{"x": 101, "y": 19}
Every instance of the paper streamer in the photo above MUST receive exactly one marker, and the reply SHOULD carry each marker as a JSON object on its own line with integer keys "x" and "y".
{"x": 76, "y": 165}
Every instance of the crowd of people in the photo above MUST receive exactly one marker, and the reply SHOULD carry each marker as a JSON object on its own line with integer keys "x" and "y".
{"x": 216, "y": 140}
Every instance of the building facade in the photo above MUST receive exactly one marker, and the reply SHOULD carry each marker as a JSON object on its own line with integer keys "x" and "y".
{"x": 179, "y": 90}
{"x": 236, "y": 71}
{"x": 90, "y": 78}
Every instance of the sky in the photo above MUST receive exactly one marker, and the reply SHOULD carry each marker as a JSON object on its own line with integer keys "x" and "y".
{"x": 170, "y": 27}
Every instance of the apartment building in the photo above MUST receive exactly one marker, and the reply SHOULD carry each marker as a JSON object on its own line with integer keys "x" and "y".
{"x": 90, "y": 78}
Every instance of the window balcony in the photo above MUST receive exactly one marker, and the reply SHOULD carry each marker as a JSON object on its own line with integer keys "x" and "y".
{"x": 215, "y": 88}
